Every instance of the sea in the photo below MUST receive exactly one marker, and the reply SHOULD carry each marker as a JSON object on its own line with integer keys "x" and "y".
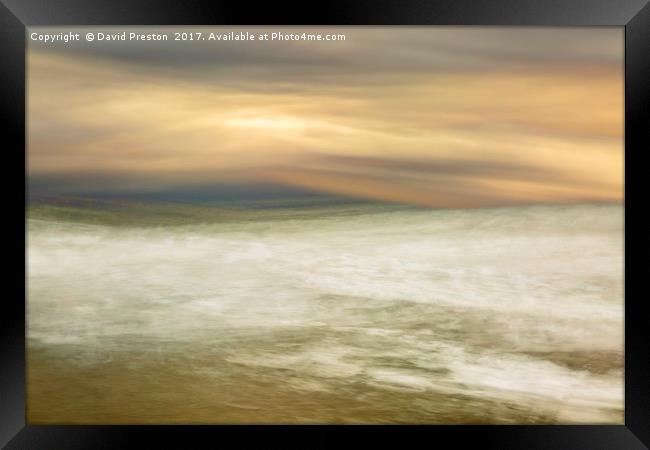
{"x": 324, "y": 313}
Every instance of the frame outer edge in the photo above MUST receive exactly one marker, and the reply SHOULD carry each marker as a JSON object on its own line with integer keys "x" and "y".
{"x": 341, "y": 12}
{"x": 12, "y": 317}
{"x": 637, "y": 118}
{"x": 12, "y": 44}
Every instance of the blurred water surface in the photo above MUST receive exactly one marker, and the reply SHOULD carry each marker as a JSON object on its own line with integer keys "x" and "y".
{"x": 335, "y": 314}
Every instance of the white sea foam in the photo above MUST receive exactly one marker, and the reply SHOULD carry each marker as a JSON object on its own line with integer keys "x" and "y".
{"x": 457, "y": 300}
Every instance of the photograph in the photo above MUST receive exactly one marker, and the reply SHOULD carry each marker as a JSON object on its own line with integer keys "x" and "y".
{"x": 325, "y": 225}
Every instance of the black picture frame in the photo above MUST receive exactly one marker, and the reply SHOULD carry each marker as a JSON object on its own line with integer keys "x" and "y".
{"x": 16, "y": 15}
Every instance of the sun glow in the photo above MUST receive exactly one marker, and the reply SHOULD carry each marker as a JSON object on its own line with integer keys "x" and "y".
{"x": 281, "y": 123}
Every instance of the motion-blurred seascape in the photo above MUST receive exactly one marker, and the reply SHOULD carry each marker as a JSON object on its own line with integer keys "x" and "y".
{"x": 327, "y": 312}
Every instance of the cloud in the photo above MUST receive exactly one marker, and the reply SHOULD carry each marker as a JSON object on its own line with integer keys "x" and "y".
{"x": 442, "y": 182}
{"x": 395, "y": 49}
{"x": 478, "y": 115}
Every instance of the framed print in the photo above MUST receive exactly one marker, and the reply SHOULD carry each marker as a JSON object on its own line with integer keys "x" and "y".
{"x": 264, "y": 219}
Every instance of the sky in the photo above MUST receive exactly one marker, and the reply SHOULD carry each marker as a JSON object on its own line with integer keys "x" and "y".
{"x": 435, "y": 116}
